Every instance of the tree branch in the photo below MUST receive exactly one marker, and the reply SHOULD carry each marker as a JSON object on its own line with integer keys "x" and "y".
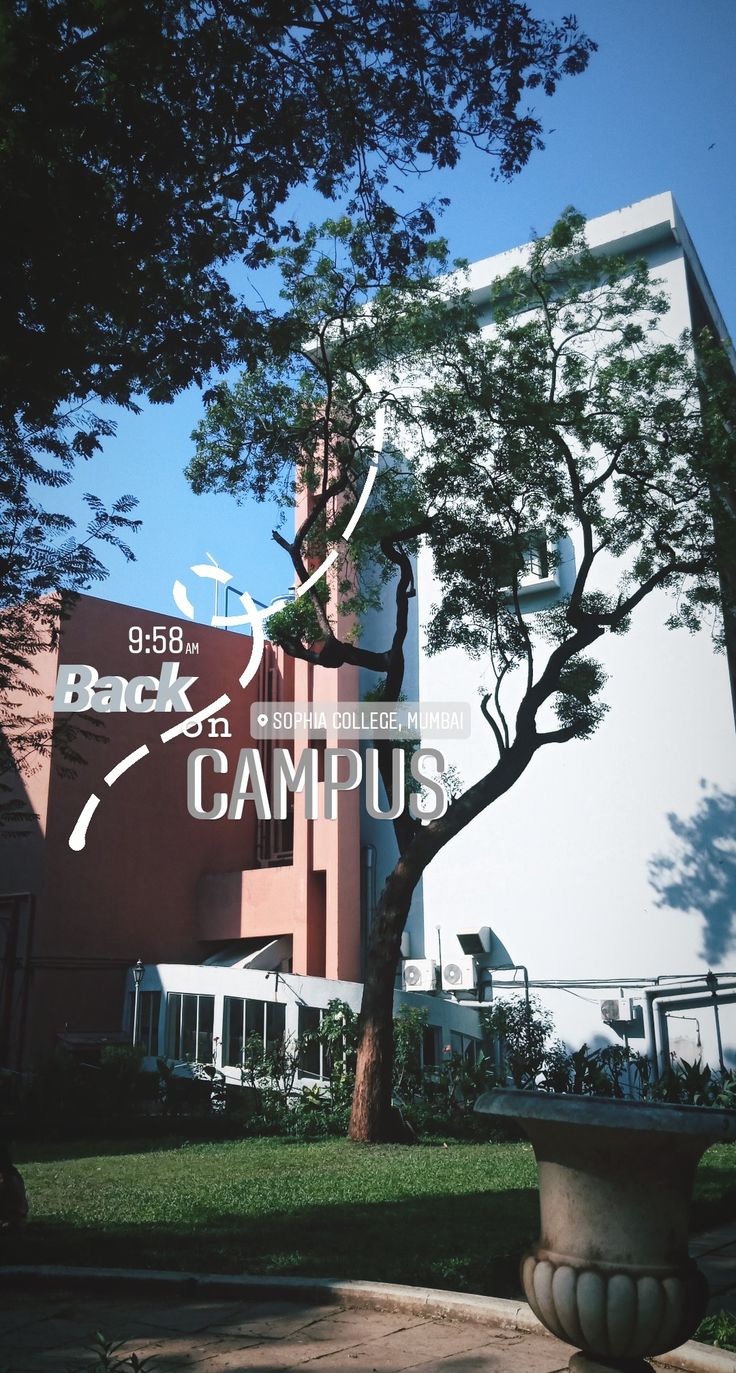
{"x": 496, "y": 731}
{"x": 558, "y": 736}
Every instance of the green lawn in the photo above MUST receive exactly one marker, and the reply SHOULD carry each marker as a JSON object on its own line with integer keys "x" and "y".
{"x": 456, "y": 1216}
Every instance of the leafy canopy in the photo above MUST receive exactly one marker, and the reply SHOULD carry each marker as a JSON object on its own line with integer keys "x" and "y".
{"x": 575, "y": 411}
{"x": 145, "y": 146}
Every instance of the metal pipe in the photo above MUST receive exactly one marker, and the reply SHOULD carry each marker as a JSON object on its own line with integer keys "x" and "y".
{"x": 687, "y": 996}
{"x": 693, "y": 1002}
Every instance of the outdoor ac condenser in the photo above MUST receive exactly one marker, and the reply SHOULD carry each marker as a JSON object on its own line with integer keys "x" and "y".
{"x": 419, "y": 975}
{"x": 460, "y": 974}
{"x": 618, "y": 1012}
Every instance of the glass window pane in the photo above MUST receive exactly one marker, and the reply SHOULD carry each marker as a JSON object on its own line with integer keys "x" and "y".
{"x": 154, "y": 1016}
{"x": 173, "y": 1024}
{"x": 431, "y": 1046}
{"x": 148, "y": 1013}
{"x": 233, "y": 1046}
{"x": 275, "y": 1022}
{"x": 205, "y": 1028}
{"x": 309, "y": 1055}
{"x": 254, "y": 1018}
{"x": 188, "y": 1047}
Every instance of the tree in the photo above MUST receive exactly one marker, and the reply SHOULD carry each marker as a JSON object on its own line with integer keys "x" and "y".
{"x": 573, "y": 414}
{"x": 146, "y": 146}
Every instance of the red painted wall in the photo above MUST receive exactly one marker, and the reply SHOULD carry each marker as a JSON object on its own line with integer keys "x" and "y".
{"x": 152, "y": 881}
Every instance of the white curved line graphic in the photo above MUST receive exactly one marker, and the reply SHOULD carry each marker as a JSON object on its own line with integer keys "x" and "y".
{"x": 259, "y": 640}
{"x": 215, "y": 574}
{"x": 252, "y": 616}
{"x": 195, "y": 719}
{"x": 128, "y": 762}
{"x": 181, "y": 600}
{"x": 371, "y": 477}
{"x": 329, "y": 560}
{"x": 78, "y": 836}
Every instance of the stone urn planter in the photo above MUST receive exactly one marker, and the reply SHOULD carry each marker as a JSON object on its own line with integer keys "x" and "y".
{"x": 610, "y": 1272}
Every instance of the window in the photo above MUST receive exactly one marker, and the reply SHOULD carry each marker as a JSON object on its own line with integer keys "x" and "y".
{"x": 535, "y": 556}
{"x": 149, "y": 1010}
{"x": 244, "y": 1018}
{"x": 467, "y": 1048}
{"x": 431, "y": 1047}
{"x": 311, "y": 1055}
{"x": 190, "y": 1024}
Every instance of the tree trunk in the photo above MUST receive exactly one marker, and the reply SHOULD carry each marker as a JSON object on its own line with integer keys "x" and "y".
{"x": 370, "y": 1119}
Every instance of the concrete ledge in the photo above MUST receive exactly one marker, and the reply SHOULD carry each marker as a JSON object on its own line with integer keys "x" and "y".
{"x": 691, "y": 1357}
{"x": 698, "y": 1358}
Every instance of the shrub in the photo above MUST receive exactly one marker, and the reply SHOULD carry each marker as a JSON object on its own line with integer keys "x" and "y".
{"x": 523, "y": 1031}
{"x": 719, "y": 1330}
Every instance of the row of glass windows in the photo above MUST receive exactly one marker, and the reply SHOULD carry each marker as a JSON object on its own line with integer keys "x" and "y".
{"x": 190, "y": 1031}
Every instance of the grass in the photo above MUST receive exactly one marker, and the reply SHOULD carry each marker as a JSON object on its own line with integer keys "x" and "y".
{"x": 455, "y": 1216}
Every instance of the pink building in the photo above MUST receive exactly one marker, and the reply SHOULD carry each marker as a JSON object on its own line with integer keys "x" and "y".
{"x": 152, "y": 881}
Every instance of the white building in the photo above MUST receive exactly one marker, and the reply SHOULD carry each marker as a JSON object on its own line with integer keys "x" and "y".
{"x": 570, "y": 867}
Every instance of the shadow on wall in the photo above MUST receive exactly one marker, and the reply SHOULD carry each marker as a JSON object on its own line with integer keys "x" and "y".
{"x": 700, "y": 875}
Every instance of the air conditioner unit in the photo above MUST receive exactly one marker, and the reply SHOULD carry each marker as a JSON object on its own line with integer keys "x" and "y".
{"x": 460, "y": 975}
{"x": 419, "y": 975}
{"x": 621, "y": 1012}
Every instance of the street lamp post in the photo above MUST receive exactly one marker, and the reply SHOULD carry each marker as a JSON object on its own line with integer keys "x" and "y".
{"x": 138, "y": 972}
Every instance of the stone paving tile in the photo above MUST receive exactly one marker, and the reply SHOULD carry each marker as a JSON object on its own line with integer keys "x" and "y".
{"x": 324, "y": 1344}
{"x": 429, "y": 1341}
{"x": 14, "y": 1362}
{"x": 713, "y": 1239}
{"x": 179, "y": 1352}
{"x": 177, "y": 1312}
{"x": 188, "y": 1352}
{"x": 28, "y": 1311}
{"x": 46, "y": 1334}
{"x": 326, "y": 1324}
{"x": 520, "y": 1354}
{"x": 19, "y": 1307}
{"x": 270, "y": 1357}
{"x": 274, "y": 1319}
{"x": 17, "y": 1320}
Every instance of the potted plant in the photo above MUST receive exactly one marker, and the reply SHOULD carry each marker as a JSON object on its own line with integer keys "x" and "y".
{"x": 610, "y": 1272}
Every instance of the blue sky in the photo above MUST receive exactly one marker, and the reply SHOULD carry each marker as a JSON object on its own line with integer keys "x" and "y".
{"x": 642, "y": 119}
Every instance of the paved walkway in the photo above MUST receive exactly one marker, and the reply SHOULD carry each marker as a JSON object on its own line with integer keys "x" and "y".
{"x": 52, "y": 1329}
{"x": 51, "y": 1333}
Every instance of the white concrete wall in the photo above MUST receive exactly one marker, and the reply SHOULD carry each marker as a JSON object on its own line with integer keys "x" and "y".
{"x": 561, "y": 867}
